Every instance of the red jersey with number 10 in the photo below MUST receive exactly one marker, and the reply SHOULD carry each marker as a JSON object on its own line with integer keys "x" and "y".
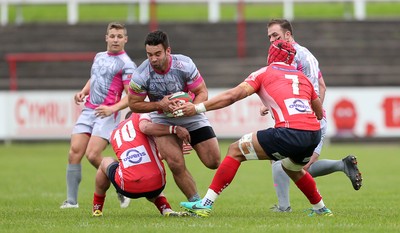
{"x": 288, "y": 94}
{"x": 140, "y": 169}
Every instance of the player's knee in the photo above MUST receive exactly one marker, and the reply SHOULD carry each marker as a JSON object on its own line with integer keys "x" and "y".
{"x": 75, "y": 155}
{"x": 213, "y": 163}
{"x": 233, "y": 149}
{"x": 177, "y": 169}
{"x": 212, "y": 158}
{"x": 244, "y": 148}
{"x": 176, "y": 166}
{"x": 209, "y": 153}
{"x": 94, "y": 158}
{"x": 105, "y": 162}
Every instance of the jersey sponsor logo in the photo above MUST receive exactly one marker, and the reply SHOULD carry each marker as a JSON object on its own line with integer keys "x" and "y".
{"x": 135, "y": 156}
{"x": 297, "y": 106}
{"x": 135, "y": 87}
{"x": 178, "y": 65}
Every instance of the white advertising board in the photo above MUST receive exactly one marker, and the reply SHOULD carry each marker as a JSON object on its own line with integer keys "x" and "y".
{"x": 41, "y": 114}
{"x": 363, "y": 112}
{"x": 351, "y": 112}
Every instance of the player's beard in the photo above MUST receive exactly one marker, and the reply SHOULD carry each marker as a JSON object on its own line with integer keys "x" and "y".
{"x": 160, "y": 64}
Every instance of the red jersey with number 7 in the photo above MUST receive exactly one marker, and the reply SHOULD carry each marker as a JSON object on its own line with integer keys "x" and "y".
{"x": 140, "y": 169}
{"x": 288, "y": 94}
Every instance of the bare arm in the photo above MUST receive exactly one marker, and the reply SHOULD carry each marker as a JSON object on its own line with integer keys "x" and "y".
{"x": 313, "y": 159}
{"x": 79, "y": 97}
{"x": 229, "y": 97}
{"x": 317, "y": 108}
{"x": 222, "y": 100}
{"x": 139, "y": 105}
{"x": 123, "y": 103}
{"x": 201, "y": 93}
{"x": 105, "y": 111}
{"x": 322, "y": 89}
{"x": 153, "y": 129}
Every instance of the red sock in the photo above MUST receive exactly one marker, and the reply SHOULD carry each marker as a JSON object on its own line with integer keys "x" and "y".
{"x": 98, "y": 202}
{"x": 161, "y": 203}
{"x": 308, "y": 186}
{"x": 225, "y": 174}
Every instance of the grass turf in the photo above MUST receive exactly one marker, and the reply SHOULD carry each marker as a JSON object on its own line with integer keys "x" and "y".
{"x": 32, "y": 187}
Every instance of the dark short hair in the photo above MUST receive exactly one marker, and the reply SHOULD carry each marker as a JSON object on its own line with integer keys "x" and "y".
{"x": 284, "y": 23}
{"x": 157, "y": 37}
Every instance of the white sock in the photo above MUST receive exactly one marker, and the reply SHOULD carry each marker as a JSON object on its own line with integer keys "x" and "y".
{"x": 167, "y": 211}
{"x": 209, "y": 198}
{"x": 319, "y": 205}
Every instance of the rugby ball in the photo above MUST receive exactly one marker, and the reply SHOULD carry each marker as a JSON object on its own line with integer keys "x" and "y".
{"x": 182, "y": 98}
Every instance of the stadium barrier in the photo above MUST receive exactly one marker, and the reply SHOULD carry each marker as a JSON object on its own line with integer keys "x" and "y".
{"x": 359, "y": 7}
{"x": 13, "y": 58}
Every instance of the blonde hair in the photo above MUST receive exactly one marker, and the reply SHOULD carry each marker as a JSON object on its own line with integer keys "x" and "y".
{"x": 118, "y": 26}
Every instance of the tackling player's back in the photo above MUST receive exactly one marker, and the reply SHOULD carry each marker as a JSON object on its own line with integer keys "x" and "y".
{"x": 141, "y": 169}
{"x": 288, "y": 92}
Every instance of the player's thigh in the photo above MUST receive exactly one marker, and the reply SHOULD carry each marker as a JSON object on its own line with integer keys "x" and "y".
{"x": 105, "y": 164}
{"x": 95, "y": 146}
{"x": 170, "y": 148}
{"x": 209, "y": 152}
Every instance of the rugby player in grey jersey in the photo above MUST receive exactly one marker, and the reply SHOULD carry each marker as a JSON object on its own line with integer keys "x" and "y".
{"x": 102, "y": 96}
{"x": 161, "y": 75}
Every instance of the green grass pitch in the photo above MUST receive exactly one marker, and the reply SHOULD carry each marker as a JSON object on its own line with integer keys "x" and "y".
{"x": 32, "y": 187}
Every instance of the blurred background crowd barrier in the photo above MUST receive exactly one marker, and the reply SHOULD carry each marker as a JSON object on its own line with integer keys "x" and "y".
{"x": 147, "y": 7}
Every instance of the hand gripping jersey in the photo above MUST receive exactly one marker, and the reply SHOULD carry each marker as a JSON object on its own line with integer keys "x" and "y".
{"x": 140, "y": 169}
{"x": 181, "y": 75}
{"x": 110, "y": 72}
{"x": 288, "y": 93}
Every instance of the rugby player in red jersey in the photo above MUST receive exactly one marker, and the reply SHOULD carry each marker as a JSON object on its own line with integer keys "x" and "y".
{"x": 296, "y": 108}
{"x": 306, "y": 62}
{"x": 139, "y": 171}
